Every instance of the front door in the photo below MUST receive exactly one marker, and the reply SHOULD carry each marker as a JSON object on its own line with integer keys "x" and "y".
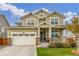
{"x": 43, "y": 36}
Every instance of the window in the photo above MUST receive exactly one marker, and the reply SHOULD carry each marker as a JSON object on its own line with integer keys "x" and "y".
{"x": 14, "y": 34}
{"x": 30, "y": 22}
{"x": 26, "y": 34}
{"x": 20, "y": 34}
{"x": 32, "y": 34}
{"x": 54, "y": 34}
{"x": 42, "y": 20}
{"x": 54, "y": 21}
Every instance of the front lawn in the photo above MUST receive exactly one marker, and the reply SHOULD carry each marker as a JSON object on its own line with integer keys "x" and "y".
{"x": 55, "y": 51}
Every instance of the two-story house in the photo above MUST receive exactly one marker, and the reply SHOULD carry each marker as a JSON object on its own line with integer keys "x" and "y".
{"x": 37, "y": 27}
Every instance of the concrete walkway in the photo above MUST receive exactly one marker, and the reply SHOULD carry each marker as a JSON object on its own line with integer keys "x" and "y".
{"x": 18, "y": 51}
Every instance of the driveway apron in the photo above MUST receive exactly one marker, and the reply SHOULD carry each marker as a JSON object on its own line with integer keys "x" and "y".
{"x": 18, "y": 51}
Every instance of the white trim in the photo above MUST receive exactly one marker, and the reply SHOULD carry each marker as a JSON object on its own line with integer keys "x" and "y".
{"x": 44, "y": 22}
{"x": 38, "y": 32}
{"x": 50, "y": 31}
{"x": 12, "y": 28}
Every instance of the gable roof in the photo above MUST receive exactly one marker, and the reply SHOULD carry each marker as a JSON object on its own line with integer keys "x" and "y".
{"x": 28, "y": 15}
{"x": 5, "y": 19}
{"x": 56, "y": 13}
{"x": 39, "y": 10}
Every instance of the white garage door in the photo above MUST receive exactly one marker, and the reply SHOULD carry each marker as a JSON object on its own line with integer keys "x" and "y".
{"x": 23, "y": 38}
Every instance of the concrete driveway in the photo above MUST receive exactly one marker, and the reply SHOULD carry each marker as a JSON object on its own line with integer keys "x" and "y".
{"x": 18, "y": 51}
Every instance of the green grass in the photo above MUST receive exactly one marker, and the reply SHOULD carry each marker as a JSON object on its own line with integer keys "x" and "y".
{"x": 55, "y": 51}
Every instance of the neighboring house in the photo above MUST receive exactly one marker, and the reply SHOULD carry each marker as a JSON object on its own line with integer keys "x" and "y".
{"x": 37, "y": 27}
{"x": 3, "y": 23}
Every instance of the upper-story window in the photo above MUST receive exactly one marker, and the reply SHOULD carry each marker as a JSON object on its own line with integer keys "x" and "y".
{"x": 30, "y": 22}
{"x": 54, "y": 21}
{"x": 42, "y": 20}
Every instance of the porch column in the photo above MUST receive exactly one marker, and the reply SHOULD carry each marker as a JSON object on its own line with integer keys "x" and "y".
{"x": 49, "y": 31}
{"x": 38, "y": 37}
{"x": 49, "y": 35}
{"x": 38, "y": 32}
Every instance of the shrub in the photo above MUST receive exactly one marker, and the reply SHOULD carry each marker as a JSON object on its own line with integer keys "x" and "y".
{"x": 71, "y": 40}
{"x": 58, "y": 44}
{"x": 52, "y": 45}
{"x": 55, "y": 45}
{"x": 66, "y": 45}
{"x": 61, "y": 45}
{"x": 73, "y": 45}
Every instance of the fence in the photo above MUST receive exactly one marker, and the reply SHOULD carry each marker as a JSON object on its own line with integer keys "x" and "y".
{"x": 5, "y": 41}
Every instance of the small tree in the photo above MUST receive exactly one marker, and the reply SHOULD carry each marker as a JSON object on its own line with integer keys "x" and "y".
{"x": 74, "y": 27}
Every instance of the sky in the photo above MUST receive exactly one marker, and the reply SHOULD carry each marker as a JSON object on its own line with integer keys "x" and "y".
{"x": 14, "y": 11}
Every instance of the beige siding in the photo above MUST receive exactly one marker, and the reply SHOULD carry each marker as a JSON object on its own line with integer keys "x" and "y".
{"x": 25, "y": 20}
{"x": 38, "y": 14}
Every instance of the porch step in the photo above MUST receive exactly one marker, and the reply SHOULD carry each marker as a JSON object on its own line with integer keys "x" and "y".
{"x": 45, "y": 44}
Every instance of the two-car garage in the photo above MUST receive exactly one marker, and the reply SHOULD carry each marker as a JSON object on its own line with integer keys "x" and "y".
{"x": 23, "y": 38}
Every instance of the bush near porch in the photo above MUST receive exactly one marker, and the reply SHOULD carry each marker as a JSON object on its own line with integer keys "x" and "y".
{"x": 55, "y": 51}
{"x": 62, "y": 45}
{"x": 70, "y": 42}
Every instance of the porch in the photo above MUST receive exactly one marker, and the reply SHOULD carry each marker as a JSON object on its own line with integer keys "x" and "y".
{"x": 44, "y": 35}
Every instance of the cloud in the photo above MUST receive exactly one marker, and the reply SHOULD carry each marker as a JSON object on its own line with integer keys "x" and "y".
{"x": 69, "y": 15}
{"x": 13, "y": 9}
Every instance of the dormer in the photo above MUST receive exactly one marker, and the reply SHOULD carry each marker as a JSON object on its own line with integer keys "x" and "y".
{"x": 41, "y": 12}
